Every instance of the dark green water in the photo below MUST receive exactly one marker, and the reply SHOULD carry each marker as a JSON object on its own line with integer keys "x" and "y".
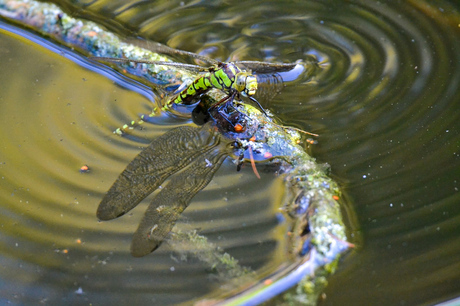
{"x": 384, "y": 99}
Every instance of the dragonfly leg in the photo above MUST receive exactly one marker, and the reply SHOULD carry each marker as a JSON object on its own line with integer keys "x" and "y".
{"x": 221, "y": 108}
{"x": 229, "y": 98}
{"x": 239, "y": 162}
{"x": 258, "y": 104}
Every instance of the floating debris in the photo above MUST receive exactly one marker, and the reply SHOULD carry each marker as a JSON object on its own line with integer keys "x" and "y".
{"x": 84, "y": 169}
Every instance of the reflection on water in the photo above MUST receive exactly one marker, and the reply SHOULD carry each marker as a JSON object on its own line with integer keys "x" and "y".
{"x": 384, "y": 100}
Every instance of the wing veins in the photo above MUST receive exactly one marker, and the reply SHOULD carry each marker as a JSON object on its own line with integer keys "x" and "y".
{"x": 160, "y": 48}
{"x": 265, "y": 67}
{"x": 190, "y": 67}
{"x": 162, "y": 158}
{"x": 162, "y": 213}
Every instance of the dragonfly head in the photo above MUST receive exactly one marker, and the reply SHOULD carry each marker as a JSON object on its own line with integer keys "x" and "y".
{"x": 246, "y": 83}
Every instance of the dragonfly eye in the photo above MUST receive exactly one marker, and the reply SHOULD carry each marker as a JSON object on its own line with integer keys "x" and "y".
{"x": 251, "y": 85}
{"x": 240, "y": 81}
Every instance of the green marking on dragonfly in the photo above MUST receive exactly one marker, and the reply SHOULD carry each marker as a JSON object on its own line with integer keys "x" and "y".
{"x": 225, "y": 76}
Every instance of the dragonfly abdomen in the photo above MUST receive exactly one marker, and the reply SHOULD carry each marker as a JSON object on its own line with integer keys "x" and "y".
{"x": 221, "y": 78}
{"x": 186, "y": 97}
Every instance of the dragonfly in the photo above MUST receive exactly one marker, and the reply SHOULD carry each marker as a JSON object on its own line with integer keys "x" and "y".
{"x": 187, "y": 156}
{"x": 233, "y": 78}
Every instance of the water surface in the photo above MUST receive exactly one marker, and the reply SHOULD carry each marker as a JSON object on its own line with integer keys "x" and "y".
{"x": 384, "y": 99}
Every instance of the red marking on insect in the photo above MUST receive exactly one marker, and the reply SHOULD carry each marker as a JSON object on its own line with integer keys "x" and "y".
{"x": 239, "y": 128}
{"x": 335, "y": 197}
{"x": 84, "y": 169}
{"x": 268, "y": 155}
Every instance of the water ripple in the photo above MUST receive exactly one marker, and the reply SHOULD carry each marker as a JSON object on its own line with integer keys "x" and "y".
{"x": 383, "y": 94}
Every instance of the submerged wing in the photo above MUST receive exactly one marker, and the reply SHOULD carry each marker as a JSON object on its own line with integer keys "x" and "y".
{"x": 170, "y": 202}
{"x": 164, "y": 156}
{"x": 160, "y": 48}
{"x": 191, "y": 67}
{"x": 265, "y": 67}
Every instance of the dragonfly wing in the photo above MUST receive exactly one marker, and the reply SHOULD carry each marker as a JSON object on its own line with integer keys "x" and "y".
{"x": 160, "y": 48}
{"x": 268, "y": 86}
{"x": 164, "y": 156}
{"x": 190, "y": 67}
{"x": 264, "y": 67}
{"x": 171, "y": 201}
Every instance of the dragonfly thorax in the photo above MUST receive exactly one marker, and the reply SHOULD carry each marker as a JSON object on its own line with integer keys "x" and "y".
{"x": 245, "y": 83}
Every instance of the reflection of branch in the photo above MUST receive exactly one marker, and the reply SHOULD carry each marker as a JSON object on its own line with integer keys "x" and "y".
{"x": 226, "y": 267}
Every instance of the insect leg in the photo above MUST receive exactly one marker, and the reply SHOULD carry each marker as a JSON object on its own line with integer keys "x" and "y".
{"x": 258, "y": 104}
{"x": 239, "y": 162}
